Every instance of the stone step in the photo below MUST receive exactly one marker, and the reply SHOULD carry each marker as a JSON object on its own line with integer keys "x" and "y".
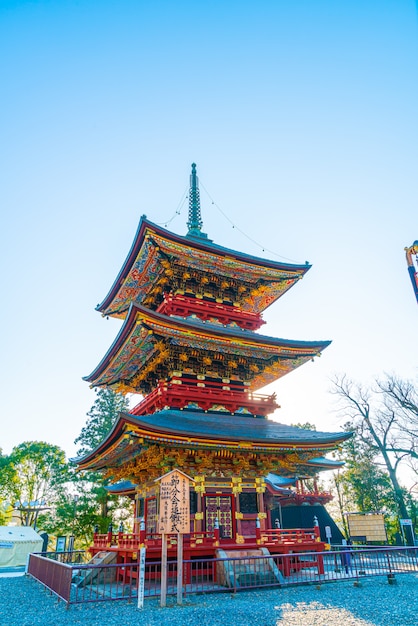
{"x": 238, "y": 569}
{"x": 83, "y": 577}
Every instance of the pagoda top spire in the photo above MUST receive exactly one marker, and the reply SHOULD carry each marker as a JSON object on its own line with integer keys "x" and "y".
{"x": 195, "y": 222}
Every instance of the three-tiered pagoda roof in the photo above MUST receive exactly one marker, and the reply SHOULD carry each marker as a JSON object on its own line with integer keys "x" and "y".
{"x": 188, "y": 345}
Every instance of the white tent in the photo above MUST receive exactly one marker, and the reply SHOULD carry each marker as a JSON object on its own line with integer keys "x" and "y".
{"x": 16, "y": 542}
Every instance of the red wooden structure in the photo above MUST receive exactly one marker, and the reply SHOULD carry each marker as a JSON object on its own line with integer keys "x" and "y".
{"x": 188, "y": 345}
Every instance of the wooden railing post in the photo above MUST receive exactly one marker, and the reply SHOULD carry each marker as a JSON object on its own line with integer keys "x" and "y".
{"x": 110, "y": 535}
{"x": 95, "y": 533}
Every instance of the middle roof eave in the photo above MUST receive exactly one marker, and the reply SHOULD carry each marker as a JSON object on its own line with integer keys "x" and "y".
{"x": 166, "y": 324}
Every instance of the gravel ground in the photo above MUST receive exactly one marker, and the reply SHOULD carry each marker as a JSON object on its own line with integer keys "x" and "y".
{"x": 24, "y": 602}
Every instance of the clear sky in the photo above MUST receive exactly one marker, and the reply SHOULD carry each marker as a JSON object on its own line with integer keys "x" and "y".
{"x": 302, "y": 118}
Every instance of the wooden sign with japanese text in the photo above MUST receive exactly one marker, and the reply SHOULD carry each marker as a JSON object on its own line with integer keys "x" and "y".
{"x": 174, "y": 516}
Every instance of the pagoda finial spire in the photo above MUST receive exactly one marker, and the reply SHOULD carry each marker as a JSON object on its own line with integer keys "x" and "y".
{"x": 195, "y": 219}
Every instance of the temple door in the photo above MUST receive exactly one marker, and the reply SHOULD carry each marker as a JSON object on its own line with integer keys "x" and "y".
{"x": 220, "y": 508}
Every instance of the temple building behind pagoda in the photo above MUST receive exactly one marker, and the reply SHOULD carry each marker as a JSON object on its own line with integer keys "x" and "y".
{"x": 190, "y": 345}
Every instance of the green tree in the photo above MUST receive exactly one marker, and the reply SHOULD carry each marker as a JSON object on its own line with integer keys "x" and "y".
{"x": 305, "y": 425}
{"x": 361, "y": 485}
{"x": 369, "y": 485}
{"x": 4, "y": 479}
{"x": 36, "y": 472}
{"x": 378, "y": 427}
{"x": 96, "y": 505}
{"x": 100, "y": 419}
{"x": 77, "y": 513}
{"x": 6, "y": 474}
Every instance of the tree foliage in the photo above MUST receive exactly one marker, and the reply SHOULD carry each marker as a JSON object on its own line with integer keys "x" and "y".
{"x": 384, "y": 420}
{"x": 96, "y": 506}
{"x": 363, "y": 485}
{"x": 100, "y": 419}
{"x": 78, "y": 512}
{"x": 36, "y": 472}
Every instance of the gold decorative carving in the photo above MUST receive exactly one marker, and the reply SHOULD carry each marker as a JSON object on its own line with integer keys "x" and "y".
{"x": 239, "y": 538}
{"x": 154, "y": 461}
{"x": 198, "y": 515}
{"x": 239, "y": 515}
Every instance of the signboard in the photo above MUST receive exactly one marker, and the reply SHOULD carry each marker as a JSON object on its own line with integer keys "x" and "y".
{"x": 61, "y": 544}
{"x": 174, "y": 518}
{"x": 407, "y": 531}
{"x": 367, "y": 527}
{"x": 174, "y": 514}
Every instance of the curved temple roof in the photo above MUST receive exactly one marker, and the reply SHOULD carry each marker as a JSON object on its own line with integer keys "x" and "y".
{"x": 192, "y": 429}
{"x": 153, "y": 245}
{"x": 137, "y": 343}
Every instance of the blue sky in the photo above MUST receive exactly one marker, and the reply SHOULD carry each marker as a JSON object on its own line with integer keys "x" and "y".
{"x": 302, "y": 118}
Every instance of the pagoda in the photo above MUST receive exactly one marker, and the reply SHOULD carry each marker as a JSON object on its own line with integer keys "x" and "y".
{"x": 189, "y": 346}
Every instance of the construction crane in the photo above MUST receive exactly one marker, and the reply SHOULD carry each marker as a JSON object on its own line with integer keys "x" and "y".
{"x": 412, "y": 252}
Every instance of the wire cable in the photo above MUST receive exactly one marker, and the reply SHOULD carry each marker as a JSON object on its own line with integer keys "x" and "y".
{"x": 178, "y": 210}
{"x": 259, "y": 245}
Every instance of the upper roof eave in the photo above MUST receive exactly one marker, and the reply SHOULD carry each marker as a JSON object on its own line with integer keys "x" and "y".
{"x": 202, "y": 244}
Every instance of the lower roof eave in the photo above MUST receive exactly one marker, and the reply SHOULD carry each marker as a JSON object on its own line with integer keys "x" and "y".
{"x": 204, "y": 430}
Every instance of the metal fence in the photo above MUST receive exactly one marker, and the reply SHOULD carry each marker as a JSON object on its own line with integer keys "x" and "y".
{"x": 73, "y": 557}
{"x": 86, "y": 582}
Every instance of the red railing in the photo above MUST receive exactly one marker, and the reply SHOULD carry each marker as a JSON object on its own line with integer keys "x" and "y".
{"x": 177, "y": 394}
{"x": 290, "y": 536}
{"x": 296, "y": 537}
{"x": 206, "y": 310}
{"x": 55, "y": 575}
{"x": 133, "y": 541}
